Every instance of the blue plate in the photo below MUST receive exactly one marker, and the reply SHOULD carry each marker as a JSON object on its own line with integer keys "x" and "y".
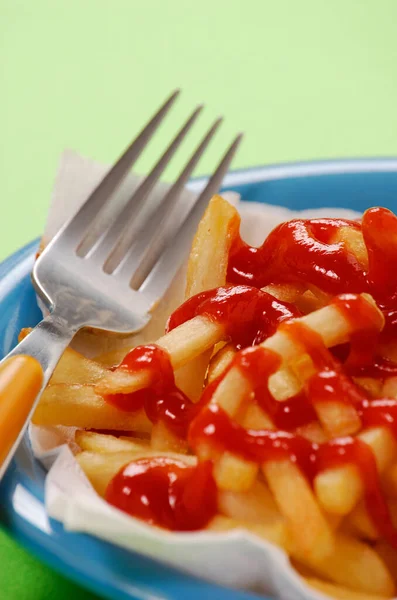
{"x": 107, "y": 570}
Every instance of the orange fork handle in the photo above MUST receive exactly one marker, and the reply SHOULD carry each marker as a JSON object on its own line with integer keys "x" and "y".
{"x": 21, "y": 378}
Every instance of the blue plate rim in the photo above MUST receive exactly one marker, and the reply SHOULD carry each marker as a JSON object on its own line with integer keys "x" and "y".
{"x": 307, "y": 168}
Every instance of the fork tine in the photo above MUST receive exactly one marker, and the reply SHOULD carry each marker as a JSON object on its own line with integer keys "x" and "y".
{"x": 166, "y": 267}
{"x": 151, "y": 239}
{"x": 81, "y": 221}
{"x": 112, "y": 248}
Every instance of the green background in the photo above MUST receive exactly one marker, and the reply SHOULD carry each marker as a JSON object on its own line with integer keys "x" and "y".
{"x": 303, "y": 78}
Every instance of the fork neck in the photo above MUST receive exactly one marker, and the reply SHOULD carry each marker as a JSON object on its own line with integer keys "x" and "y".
{"x": 46, "y": 343}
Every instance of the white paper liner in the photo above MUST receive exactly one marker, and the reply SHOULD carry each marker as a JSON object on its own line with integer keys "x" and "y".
{"x": 236, "y": 558}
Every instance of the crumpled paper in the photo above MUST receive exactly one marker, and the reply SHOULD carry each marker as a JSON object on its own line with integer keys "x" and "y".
{"x": 236, "y": 558}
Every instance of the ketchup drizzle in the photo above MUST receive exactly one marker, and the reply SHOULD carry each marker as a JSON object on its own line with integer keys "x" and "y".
{"x": 249, "y": 315}
{"x": 165, "y": 492}
{"x": 298, "y": 250}
{"x": 163, "y": 400}
{"x": 173, "y": 495}
{"x": 215, "y": 427}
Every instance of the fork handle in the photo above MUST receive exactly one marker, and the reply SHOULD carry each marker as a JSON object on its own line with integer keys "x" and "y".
{"x": 24, "y": 373}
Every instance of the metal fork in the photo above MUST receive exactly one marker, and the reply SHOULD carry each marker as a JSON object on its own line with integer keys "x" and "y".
{"x": 107, "y": 270}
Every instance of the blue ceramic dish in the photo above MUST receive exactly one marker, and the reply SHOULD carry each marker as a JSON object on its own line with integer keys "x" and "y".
{"x": 113, "y": 572}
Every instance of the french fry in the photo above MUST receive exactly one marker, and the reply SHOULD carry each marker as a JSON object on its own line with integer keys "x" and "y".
{"x": 234, "y": 473}
{"x": 208, "y": 259}
{"x": 389, "y": 557}
{"x": 206, "y": 270}
{"x": 80, "y": 406}
{"x": 390, "y": 481}
{"x": 298, "y": 505}
{"x": 337, "y": 418}
{"x": 220, "y": 361}
{"x": 73, "y": 367}
{"x": 234, "y": 387}
{"x": 388, "y": 350}
{"x": 354, "y": 565}
{"x": 100, "y": 468}
{"x": 309, "y": 302}
{"x": 163, "y": 439}
{"x": 353, "y": 240}
{"x": 184, "y": 343}
{"x": 284, "y": 384}
{"x": 190, "y": 377}
{"x": 98, "y": 442}
{"x": 274, "y": 532}
{"x": 199, "y": 334}
{"x": 360, "y": 522}
{"x": 372, "y": 386}
{"x": 338, "y": 592}
{"x": 322, "y": 297}
{"x": 339, "y": 489}
{"x": 286, "y": 292}
{"x": 389, "y": 389}
{"x": 231, "y": 391}
{"x": 330, "y": 323}
{"x": 256, "y": 418}
{"x": 313, "y": 432}
{"x": 257, "y": 505}
{"x": 112, "y": 358}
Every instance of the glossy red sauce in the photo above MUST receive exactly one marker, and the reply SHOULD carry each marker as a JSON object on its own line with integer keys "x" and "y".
{"x": 258, "y": 364}
{"x": 350, "y": 450}
{"x": 173, "y": 495}
{"x": 379, "y": 228}
{"x": 362, "y": 315}
{"x": 213, "y": 426}
{"x": 329, "y": 384}
{"x": 163, "y": 400}
{"x": 380, "y": 368}
{"x": 379, "y": 413}
{"x": 165, "y": 492}
{"x": 249, "y": 315}
{"x": 299, "y": 251}
{"x": 359, "y": 355}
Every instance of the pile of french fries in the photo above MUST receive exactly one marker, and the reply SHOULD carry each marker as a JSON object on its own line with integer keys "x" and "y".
{"x": 324, "y": 527}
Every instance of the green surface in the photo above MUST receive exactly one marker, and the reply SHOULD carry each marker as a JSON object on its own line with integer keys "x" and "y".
{"x": 303, "y": 78}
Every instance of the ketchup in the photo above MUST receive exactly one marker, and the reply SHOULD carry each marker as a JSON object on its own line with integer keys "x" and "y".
{"x": 329, "y": 384}
{"x": 249, "y": 315}
{"x": 165, "y": 492}
{"x": 213, "y": 426}
{"x": 170, "y": 494}
{"x": 379, "y": 228}
{"x": 299, "y": 251}
{"x": 257, "y": 364}
{"x": 163, "y": 400}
